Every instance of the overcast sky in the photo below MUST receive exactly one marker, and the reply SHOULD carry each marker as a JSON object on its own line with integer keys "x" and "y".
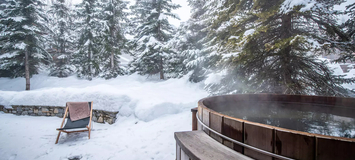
{"x": 183, "y": 12}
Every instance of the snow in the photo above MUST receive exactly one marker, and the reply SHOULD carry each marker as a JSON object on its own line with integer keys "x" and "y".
{"x": 26, "y": 137}
{"x": 289, "y": 4}
{"x": 18, "y": 19}
{"x": 7, "y": 55}
{"x": 343, "y": 18}
{"x": 249, "y": 32}
{"x": 162, "y": 17}
{"x": 150, "y": 111}
{"x": 130, "y": 95}
{"x": 21, "y": 46}
{"x": 233, "y": 37}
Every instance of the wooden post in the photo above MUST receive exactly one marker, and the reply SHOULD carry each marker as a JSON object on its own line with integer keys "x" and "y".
{"x": 194, "y": 119}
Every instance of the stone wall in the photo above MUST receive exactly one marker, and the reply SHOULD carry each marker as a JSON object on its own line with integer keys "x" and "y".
{"x": 99, "y": 116}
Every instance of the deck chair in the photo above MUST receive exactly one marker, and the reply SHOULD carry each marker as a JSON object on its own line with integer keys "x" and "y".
{"x": 75, "y": 126}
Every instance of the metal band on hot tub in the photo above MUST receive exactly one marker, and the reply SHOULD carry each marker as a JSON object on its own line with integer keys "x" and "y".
{"x": 242, "y": 144}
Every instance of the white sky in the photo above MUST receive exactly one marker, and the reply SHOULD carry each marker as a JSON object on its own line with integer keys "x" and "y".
{"x": 183, "y": 11}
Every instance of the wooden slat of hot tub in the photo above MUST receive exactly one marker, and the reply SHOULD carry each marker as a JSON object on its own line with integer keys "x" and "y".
{"x": 234, "y": 130}
{"x": 331, "y": 149}
{"x": 260, "y": 137}
{"x": 198, "y": 145}
{"x": 294, "y": 145}
{"x": 216, "y": 121}
{"x": 206, "y": 119}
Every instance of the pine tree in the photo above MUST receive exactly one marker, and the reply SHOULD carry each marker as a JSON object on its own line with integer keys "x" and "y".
{"x": 273, "y": 47}
{"x": 114, "y": 42}
{"x": 22, "y": 29}
{"x": 153, "y": 31}
{"x": 61, "y": 38}
{"x": 193, "y": 33}
{"x": 347, "y": 41}
{"x": 87, "y": 57}
{"x": 350, "y": 23}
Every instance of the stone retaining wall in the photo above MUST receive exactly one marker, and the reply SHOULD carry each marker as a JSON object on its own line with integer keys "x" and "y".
{"x": 99, "y": 116}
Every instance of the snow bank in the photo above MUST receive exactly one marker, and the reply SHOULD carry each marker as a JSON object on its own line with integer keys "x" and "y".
{"x": 130, "y": 95}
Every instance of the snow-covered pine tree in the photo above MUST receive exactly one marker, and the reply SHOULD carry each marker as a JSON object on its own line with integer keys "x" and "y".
{"x": 347, "y": 41}
{"x": 114, "y": 19}
{"x": 21, "y": 36}
{"x": 193, "y": 33}
{"x": 61, "y": 38}
{"x": 276, "y": 44}
{"x": 152, "y": 33}
{"x": 88, "y": 25}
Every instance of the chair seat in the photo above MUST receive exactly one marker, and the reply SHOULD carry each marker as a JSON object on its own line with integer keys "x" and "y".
{"x": 82, "y": 123}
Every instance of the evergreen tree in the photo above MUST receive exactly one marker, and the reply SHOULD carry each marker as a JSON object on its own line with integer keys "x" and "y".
{"x": 153, "y": 31}
{"x": 61, "y": 38}
{"x": 350, "y": 24}
{"x": 194, "y": 32}
{"x": 22, "y": 29}
{"x": 87, "y": 57}
{"x": 113, "y": 39}
{"x": 347, "y": 41}
{"x": 272, "y": 46}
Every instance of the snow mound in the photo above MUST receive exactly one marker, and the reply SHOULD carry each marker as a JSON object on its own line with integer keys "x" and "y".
{"x": 130, "y": 95}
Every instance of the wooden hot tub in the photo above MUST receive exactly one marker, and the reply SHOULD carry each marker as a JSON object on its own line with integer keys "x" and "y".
{"x": 291, "y": 126}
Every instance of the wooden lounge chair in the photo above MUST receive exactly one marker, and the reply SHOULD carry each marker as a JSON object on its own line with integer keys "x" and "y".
{"x": 75, "y": 126}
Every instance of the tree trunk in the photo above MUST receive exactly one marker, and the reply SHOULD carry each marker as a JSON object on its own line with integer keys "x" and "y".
{"x": 287, "y": 69}
{"x": 112, "y": 62}
{"x": 27, "y": 71}
{"x": 90, "y": 63}
{"x": 161, "y": 68}
{"x": 112, "y": 51}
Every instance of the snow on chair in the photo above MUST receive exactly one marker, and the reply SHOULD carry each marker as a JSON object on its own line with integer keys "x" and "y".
{"x": 79, "y": 115}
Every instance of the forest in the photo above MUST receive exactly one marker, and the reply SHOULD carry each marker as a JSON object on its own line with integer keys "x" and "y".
{"x": 255, "y": 46}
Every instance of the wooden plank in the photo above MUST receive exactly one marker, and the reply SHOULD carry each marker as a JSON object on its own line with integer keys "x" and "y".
{"x": 198, "y": 145}
{"x": 178, "y": 152}
{"x": 294, "y": 145}
{"x": 184, "y": 156}
{"x": 89, "y": 127}
{"x": 194, "y": 119}
{"x": 233, "y": 129}
{"x": 260, "y": 137}
{"x": 61, "y": 126}
{"x": 331, "y": 149}
{"x": 216, "y": 121}
{"x": 206, "y": 119}
{"x": 199, "y": 114}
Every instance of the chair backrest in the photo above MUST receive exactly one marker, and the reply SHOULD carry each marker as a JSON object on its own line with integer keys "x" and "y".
{"x": 82, "y": 123}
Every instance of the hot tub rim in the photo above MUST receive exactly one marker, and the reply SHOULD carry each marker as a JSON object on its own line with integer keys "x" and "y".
{"x": 201, "y": 104}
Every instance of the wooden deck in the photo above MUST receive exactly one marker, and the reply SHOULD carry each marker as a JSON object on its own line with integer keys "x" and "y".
{"x": 196, "y": 145}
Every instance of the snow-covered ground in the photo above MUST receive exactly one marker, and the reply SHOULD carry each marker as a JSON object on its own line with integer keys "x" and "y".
{"x": 150, "y": 112}
{"x": 28, "y": 138}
